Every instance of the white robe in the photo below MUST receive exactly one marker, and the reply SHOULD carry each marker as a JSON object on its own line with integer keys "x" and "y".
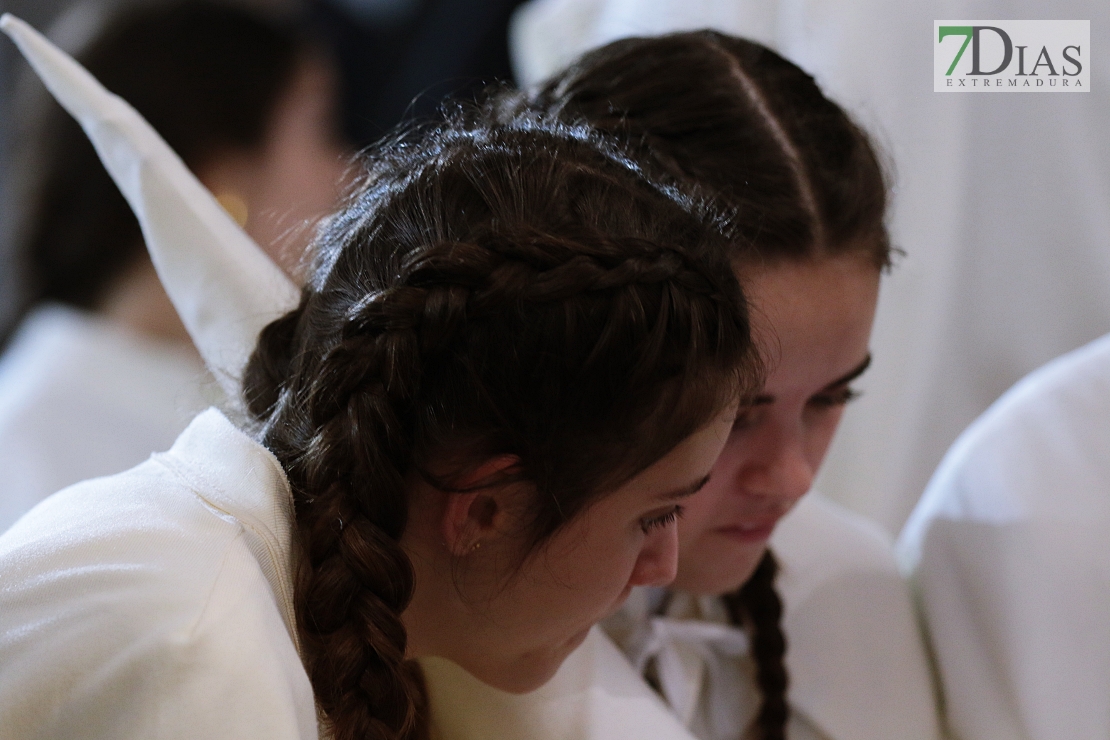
{"x": 1010, "y": 552}
{"x": 858, "y": 668}
{"x": 157, "y": 603}
{"x": 81, "y": 398}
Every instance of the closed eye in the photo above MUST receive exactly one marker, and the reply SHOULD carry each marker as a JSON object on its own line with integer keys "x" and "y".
{"x": 835, "y": 398}
{"x": 648, "y": 524}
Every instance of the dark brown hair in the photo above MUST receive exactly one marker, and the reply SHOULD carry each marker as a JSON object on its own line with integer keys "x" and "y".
{"x": 737, "y": 119}
{"x": 519, "y": 288}
{"x": 802, "y": 182}
{"x": 207, "y": 77}
{"x": 757, "y": 607}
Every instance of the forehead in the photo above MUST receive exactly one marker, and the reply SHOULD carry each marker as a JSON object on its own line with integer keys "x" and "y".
{"x": 812, "y": 319}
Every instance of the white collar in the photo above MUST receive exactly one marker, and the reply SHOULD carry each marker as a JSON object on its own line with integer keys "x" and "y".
{"x": 241, "y": 479}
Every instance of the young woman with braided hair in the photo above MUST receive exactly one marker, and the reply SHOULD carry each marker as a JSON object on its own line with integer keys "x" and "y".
{"x": 515, "y": 354}
{"x": 808, "y": 201}
{"x": 502, "y": 327}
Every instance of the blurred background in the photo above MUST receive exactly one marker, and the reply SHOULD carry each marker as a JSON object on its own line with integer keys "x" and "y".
{"x": 1001, "y": 202}
{"x": 398, "y": 59}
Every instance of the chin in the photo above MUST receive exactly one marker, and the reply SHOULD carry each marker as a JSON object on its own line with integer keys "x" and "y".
{"x": 728, "y": 569}
{"x": 533, "y": 670}
{"x": 519, "y": 679}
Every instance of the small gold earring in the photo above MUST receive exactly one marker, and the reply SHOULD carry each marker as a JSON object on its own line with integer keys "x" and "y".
{"x": 475, "y": 546}
{"x": 236, "y": 207}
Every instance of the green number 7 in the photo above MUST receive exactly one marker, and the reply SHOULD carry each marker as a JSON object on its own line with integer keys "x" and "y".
{"x": 966, "y": 31}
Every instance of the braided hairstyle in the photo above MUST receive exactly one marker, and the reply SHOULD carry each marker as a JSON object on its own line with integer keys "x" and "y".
{"x": 757, "y": 607}
{"x": 517, "y": 288}
{"x": 736, "y": 118}
{"x": 802, "y": 181}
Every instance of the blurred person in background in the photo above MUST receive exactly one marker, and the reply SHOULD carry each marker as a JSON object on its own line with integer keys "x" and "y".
{"x": 399, "y": 58}
{"x": 1008, "y": 552}
{"x": 100, "y": 372}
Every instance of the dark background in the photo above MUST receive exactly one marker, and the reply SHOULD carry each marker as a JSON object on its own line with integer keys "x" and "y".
{"x": 398, "y": 59}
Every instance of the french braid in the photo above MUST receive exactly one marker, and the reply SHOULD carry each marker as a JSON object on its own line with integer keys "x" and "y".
{"x": 757, "y": 607}
{"x": 514, "y": 289}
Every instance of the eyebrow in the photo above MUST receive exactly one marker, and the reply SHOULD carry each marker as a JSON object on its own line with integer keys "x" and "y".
{"x": 857, "y": 371}
{"x": 686, "y": 491}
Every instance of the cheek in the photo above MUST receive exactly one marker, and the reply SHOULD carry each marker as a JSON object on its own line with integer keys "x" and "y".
{"x": 819, "y": 434}
{"x": 582, "y": 573}
{"x": 704, "y": 509}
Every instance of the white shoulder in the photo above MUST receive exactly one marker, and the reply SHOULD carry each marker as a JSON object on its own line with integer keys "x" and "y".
{"x": 856, "y": 659}
{"x": 1007, "y": 548}
{"x": 131, "y": 609}
{"x": 1039, "y": 452}
{"x": 820, "y": 540}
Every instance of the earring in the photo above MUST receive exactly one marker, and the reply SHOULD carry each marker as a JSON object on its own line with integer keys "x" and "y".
{"x": 474, "y": 547}
{"x": 234, "y": 204}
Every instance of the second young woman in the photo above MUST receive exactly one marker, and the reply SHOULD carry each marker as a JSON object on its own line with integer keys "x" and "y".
{"x": 809, "y": 242}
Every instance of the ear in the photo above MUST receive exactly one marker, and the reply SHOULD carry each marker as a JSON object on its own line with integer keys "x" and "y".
{"x": 477, "y": 514}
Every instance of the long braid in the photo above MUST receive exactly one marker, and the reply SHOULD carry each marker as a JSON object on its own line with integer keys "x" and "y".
{"x": 353, "y": 580}
{"x": 396, "y": 353}
{"x": 757, "y": 606}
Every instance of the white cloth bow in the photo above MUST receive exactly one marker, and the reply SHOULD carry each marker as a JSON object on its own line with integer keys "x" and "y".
{"x": 684, "y": 650}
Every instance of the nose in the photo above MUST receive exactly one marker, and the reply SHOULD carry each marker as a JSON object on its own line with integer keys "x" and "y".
{"x": 781, "y": 468}
{"x": 657, "y": 564}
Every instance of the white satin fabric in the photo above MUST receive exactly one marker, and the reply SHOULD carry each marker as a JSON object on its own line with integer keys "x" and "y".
{"x": 157, "y": 603}
{"x": 1010, "y": 553}
{"x": 999, "y": 201}
{"x": 693, "y": 654}
{"x": 81, "y": 398}
{"x": 699, "y": 662}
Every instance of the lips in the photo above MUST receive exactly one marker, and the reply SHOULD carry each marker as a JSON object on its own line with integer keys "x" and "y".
{"x": 753, "y": 531}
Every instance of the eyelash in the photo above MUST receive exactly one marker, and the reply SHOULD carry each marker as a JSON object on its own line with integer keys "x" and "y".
{"x": 651, "y": 523}
{"x": 838, "y": 398}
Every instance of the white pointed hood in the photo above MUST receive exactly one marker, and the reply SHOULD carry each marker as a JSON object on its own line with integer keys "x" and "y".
{"x": 224, "y": 287}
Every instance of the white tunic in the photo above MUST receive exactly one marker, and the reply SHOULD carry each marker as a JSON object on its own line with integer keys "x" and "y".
{"x": 157, "y": 603}
{"x": 1010, "y": 552}
{"x": 858, "y": 669}
{"x": 80, "y": 398}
